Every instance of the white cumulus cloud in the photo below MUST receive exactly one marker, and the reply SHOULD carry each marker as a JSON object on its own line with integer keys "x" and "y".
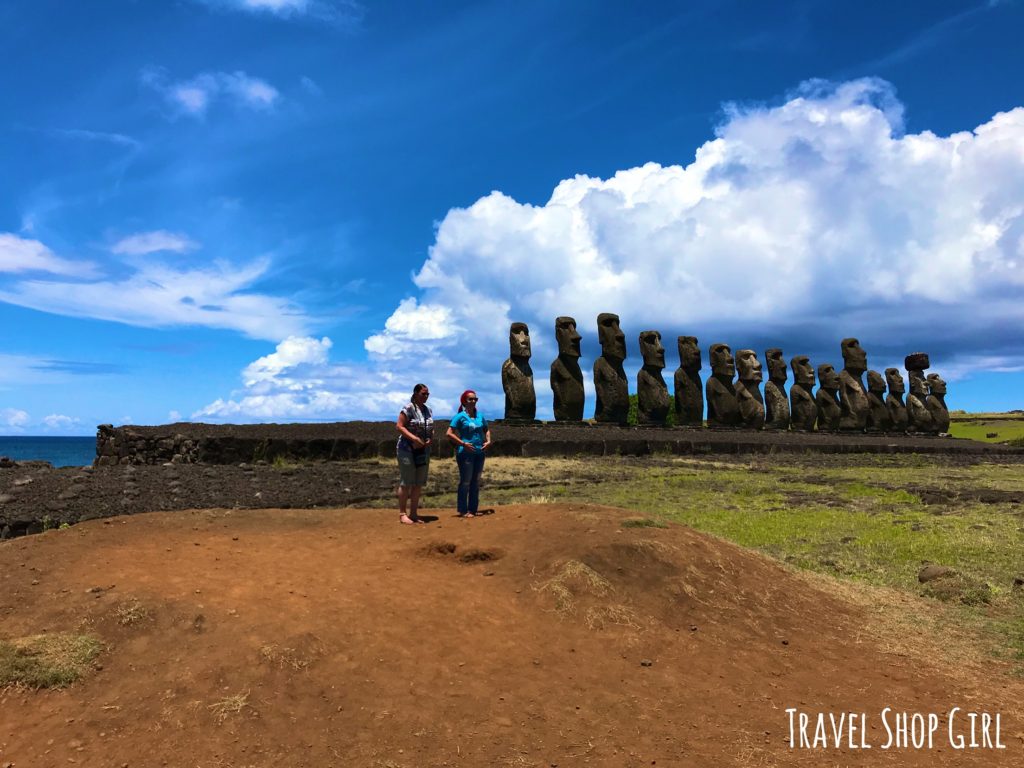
{"x": 14, "y": 418}
{"x": 796, "y": 225}
{"x": 298, "y": 382}
{"x": 811, "y": 220}
{"x": 58, "y": 421}
{"x": 142, "y": 243}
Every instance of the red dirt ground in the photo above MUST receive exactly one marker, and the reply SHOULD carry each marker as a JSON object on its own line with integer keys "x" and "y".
{"x": 539, "y": 636}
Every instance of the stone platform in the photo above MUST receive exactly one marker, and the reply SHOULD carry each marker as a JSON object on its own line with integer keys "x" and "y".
{"x": 191, "y": 443}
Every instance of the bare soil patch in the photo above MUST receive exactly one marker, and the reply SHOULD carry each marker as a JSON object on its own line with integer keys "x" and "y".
{"x": 340, "y": 638}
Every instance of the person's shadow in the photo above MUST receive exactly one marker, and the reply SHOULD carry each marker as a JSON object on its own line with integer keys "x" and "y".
{"x": 428, "y": 518}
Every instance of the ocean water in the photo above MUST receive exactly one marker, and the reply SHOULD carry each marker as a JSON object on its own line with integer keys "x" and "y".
{"x": 59, "y": 451}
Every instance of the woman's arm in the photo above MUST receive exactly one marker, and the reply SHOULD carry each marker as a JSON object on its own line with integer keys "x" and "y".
{"x": 487, "y": 438}
{"x": 403, "y": 427}
{"x": 454, "y": 436}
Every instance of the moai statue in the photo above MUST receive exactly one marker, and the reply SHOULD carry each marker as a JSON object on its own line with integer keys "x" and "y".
{"x": 803, "y": 409}
{"x": 827, "y": 399}
{"x": 723, "y": 407}
{"x": 898, "y": 420}
{"x": 936, "y": 403}
{"x": 609, "y": 377}
{"x": 517, "y": 376}
{"x": 689, "y": 395}
{"x": 776, "y": 404}
{"x": 919, "y": 418}
{"x": 748, "y": 389}
{"x": 878, "y": 413}
{"x": 853, "y": 400}
{"x": 566, "y": 376}
{"x": 651, "y": 392}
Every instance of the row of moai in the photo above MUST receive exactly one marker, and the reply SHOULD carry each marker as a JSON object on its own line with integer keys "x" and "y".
{"x": 841, "y": 403}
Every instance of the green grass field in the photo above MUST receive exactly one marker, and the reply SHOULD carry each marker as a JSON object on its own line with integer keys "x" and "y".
{"x": 988, "y": 427}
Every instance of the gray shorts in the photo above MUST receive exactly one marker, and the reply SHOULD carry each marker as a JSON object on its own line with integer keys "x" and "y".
{"x": 408, "y": 472}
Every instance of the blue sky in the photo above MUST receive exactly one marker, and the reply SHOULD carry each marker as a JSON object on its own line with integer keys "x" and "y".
{"x": 278, "y": 210}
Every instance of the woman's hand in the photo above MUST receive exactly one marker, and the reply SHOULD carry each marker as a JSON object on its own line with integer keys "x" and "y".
{"x": 417, "y": 442}
{"x": 487, "y": 445}
{"x": 469, "y": 447}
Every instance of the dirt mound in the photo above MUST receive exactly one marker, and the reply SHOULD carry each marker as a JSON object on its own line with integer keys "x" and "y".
{"x": 539, "y": 636}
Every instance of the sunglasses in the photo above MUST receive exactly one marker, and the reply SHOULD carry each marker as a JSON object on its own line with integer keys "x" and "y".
{"x": 472, "y": 399}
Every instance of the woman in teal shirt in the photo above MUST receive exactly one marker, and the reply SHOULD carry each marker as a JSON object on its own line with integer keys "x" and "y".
{"x": 472, "y": 436}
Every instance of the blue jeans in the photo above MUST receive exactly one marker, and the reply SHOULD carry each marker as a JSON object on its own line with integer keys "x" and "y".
{"x": 471, "y": 465}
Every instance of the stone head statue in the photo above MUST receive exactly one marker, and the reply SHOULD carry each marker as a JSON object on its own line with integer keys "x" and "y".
{"x": 918, "y": 385}
{"x": 855, "y": 359}
{"x": 894, "y": 380}
{"x": 689, "y": 353}
{"x": 651, "y": 349}
{"x": 803, "y": 373}
{"x": 776, "y": 365}
{"x": 722, "y": 363}
{"x": 567, "y": 336}
{"x": 519, "y": 340}
{"x": 827, "y": 376}
{"x": 748, "y": 365}
{"x": 876, "y": 383}
{"x": 936, "y": 384}
{"x": 613, "y": 341}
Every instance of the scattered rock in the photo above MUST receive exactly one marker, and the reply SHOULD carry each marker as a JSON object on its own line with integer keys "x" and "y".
{"x": 646, "y": 663}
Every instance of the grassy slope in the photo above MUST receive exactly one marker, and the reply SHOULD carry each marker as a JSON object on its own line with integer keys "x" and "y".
{"x": 862, "y": 520}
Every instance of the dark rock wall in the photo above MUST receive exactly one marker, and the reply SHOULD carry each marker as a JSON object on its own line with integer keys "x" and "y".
{"x": 344, "y": 441}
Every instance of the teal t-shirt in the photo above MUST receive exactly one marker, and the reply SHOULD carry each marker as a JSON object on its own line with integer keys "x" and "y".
{"x": 470, "y": 429}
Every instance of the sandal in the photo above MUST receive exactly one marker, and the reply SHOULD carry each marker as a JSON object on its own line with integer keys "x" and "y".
{"x": 466, "y": 514}
{"x": 406, "y": 520}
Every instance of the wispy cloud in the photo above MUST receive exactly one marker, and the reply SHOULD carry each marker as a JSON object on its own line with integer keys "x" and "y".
{"x": 342, "y": 12}
{"x": 194, "y": 97}
{"x": 927, "y": 38}
{"x": 79, "y": 367}
{"x": 18, "y": 254}
{"x": 158, "y": 296}
{"x": 79, "y": 133}
{"x": 153, "y": 242}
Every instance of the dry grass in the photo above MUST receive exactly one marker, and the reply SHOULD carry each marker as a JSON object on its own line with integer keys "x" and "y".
{"x": 286, "y": 658}
{"x": 928, "y": 634}
{"x": 131, "y": 612}
{"x": 574, "y": 578}
{"x": 47, "y": 661}
{"x": 604, "y": 616}
{"x": 230, "y": 705}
